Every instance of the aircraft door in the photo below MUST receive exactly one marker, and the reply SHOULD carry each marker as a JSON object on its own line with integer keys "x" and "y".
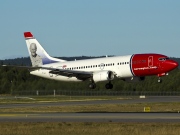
{"x": 150, "y": 61}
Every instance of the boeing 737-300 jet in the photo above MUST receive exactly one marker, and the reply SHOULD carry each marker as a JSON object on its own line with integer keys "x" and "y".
{"x": 128, "y": 68}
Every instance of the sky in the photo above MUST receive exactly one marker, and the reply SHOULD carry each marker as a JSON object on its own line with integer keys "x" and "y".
{"x": 91, "y": 27}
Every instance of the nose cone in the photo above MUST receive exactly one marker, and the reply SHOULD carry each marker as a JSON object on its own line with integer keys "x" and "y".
{"x": 176, "y": 64}
{"x": 169, "y": 65}
{"x": 173, "y": 64}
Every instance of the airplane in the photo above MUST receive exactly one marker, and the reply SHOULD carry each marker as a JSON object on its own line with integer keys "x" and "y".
{"x": 130, "y": 68}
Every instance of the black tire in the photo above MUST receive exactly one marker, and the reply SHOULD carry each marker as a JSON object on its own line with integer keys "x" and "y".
{"x": 92, "y": 85}
{"x": 109, "y": 86}
{"x": 159, "y": 80}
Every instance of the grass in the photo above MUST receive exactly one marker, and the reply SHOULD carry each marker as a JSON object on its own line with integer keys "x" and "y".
{"x": 39, "y": 99}
{"x": 88, "y": 128}
{"x": 155, "y": 107}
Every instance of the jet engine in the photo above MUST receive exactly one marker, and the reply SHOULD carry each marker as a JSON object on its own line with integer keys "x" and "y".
{"x": 103, "y": 76}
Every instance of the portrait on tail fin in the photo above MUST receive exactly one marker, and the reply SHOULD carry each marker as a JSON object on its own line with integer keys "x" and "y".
{"x": 35, "y": 58}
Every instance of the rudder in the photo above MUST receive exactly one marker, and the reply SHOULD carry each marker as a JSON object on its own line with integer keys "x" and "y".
{"x": 37, "y": 53}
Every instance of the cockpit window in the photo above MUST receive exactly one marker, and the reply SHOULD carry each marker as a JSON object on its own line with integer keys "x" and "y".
{"x": 163, "y": 59}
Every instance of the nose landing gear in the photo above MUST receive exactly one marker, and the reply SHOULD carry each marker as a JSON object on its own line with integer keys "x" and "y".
{"x": 159, "y": 80}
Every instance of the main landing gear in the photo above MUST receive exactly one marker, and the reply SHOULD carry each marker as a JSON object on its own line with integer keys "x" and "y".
{"x": 109, "y": 85}
{"x": 92, "y": 85}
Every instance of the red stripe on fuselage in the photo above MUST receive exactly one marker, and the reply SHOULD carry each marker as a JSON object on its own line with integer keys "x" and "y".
{"x": 146, "y": 64}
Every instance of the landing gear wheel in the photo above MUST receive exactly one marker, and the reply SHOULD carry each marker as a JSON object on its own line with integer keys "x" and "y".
{"x": 109, "y": 86}
{"x": 92, "y": 85}
{"x": 159, "y": 80}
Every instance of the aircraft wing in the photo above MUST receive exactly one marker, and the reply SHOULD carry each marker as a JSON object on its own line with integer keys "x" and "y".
{"x": 81, "y": 75}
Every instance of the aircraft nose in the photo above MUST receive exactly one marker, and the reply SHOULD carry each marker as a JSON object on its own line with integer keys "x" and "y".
{"x": 174, "y": 64}
{"x": 170, "y": 65}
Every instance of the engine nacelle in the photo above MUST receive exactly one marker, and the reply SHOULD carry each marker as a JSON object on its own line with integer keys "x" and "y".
{"x": 103, "y": 76}
{"x": 134, "y": 79}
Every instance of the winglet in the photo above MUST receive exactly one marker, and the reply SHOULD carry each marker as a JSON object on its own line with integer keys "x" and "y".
{"x": 28, "y": 35}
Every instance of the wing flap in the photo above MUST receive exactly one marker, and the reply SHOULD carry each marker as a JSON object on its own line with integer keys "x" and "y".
{"x": 81, "y": 75}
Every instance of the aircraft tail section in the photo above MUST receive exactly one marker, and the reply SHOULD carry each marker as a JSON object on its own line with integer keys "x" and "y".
{"x": 37, "y": 53}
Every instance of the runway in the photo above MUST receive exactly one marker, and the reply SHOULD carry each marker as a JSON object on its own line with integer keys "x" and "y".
{"x": 91, "y": 117}
{"x": 150, "y": 99}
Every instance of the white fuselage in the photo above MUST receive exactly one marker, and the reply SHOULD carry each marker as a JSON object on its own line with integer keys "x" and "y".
{"x": 129, "y": 68}
{"x": 122, "y": 70}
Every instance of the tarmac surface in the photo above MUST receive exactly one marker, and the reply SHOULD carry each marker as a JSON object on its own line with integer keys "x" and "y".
{"x": 150, "y": 99}
{"x": 92, "y": 117}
